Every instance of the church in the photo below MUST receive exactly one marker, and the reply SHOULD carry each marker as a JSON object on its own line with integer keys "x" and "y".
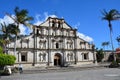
{"x": 52, "y": 43}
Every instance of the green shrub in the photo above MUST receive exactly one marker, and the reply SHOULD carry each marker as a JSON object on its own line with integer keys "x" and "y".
{"x": 1, "y": 49}
{"x": 100, "y": 55}
{"x": 114, "y": 64}
{"x": 7, "y": 59}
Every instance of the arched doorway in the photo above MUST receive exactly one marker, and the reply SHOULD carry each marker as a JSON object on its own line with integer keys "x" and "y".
{"x": 57, "y": 60}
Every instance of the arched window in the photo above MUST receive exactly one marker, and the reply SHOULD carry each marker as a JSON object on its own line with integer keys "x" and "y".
{"x": 57, "y": 45}
{"x": 53, "y": 23}
{"x": 85, "y": 56}
{"x": 24, "y": 56}
{"x": 59, "y": 24}
{"x": 37, "y": 31}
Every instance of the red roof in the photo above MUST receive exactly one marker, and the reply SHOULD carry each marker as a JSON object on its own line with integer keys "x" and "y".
{"x": 117, "y": 50}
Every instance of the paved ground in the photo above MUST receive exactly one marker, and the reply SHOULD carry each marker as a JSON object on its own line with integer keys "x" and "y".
{"x": 89, "y": 74}
{"x": 63, "y": 69}
{"x": 59, "y": 69}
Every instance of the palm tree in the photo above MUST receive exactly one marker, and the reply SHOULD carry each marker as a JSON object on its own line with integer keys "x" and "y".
{"x": 5, "y": 31}
{"x": 8, "y": 30}
{"x": 105, "y": 44}
{"x": 21, "y": 17}
{"x": 111, "y": 16}
{"x": 5, "y": 36}
{"x": 118, "y": 40}
{"x": 14, "y": 31}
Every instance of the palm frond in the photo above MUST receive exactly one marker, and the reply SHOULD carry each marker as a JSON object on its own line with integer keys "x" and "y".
{"x": 28, "y": 19}
{"x": 28, "y": 25}
{"x": 111, "y": 15}
{"x": 104, "y": 12}
{"x": 14, "y": 29}
{"x": 3, "y": 27}
{"x": 22, "y": 16}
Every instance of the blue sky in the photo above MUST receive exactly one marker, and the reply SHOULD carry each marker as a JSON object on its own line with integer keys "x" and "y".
{"x": 83, "y": 14}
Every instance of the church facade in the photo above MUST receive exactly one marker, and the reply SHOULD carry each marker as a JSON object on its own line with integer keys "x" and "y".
{"x": 52, "y": 43}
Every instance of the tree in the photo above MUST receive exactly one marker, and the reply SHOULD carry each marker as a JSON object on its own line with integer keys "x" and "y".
{"x": 14, "y": 30}
{"x": 111, "y": 16}
{"x": 118, "y": 40}
{"x": 1, "y": 49}
{"x": 105, "y": 44}
{"x": 99, "y": 55}
{"x": 6, "y": 30}
{"x": 21, "y": 17}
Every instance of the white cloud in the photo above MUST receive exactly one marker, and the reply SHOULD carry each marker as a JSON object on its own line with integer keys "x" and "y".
{"x": 22, "y": 29}
{"x": 7, "y": 20}
{"x": 81, "y": 35}
{"x": 46, "y": 15}
{"x": 39, "y": 19}
{"x": 76, "y": 25}
{"x": 84, "y": 37}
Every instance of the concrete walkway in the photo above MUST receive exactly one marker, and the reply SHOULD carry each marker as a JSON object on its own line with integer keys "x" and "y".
{"x": 63, "y": 69}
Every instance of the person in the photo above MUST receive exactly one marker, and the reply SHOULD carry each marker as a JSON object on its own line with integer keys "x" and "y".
{"x": 20, "y": 68}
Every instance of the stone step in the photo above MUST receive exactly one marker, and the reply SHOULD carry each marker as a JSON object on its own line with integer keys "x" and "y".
{"x": 59, "y": 69}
